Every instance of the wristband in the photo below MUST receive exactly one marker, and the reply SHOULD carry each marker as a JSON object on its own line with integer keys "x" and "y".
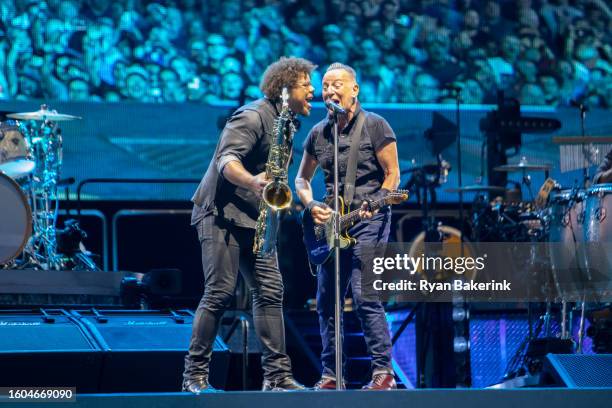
{"x": 315, "y": 203}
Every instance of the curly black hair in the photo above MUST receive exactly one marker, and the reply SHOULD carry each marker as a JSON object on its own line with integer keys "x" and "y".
{"x": 284, "y": 73}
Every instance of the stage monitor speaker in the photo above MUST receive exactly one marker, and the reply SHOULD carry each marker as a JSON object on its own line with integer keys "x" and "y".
{"x": 144, "y": 351}
{"x": 47, "y": 349}
{"x": 578, "y": 370}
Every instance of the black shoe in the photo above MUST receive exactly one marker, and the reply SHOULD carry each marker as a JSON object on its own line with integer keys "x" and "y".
{"x": 197, "y": 386}
{"x": 286, "y": 384}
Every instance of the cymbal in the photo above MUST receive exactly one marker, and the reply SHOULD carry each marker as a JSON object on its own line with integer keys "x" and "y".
{"x": 43, "y": 114}
{"x": 475, "y": 188}
{"x": 522, "y": 167}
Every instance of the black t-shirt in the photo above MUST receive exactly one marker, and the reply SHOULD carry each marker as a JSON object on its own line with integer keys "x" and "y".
{"x": 375, "y": 134}
{"x": 246, "y": 138}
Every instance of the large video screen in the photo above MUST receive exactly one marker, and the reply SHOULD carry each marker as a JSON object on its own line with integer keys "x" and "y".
{"x": 155, "y": 81}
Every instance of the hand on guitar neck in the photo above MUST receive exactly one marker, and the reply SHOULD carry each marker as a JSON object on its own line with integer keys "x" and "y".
{"x": 383, "y": 197}
{"x": 321, "y": 212}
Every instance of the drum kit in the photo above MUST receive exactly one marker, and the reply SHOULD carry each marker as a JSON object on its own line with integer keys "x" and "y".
{"x": 575, "y": 223}
{"x": 30, "y": 169}
{"x": 556, "y": 214}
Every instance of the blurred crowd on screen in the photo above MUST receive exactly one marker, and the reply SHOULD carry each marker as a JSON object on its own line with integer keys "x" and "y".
{"x": 543, "y": 52}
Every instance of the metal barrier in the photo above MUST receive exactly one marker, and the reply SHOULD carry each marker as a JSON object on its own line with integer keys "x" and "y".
{"x": 125, "y": 212}
{"x": 128, "y": 181}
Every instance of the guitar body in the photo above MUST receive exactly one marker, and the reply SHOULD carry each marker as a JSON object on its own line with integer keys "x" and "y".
{"x": 319, "y": 238}
{"x": 316, "y": 246}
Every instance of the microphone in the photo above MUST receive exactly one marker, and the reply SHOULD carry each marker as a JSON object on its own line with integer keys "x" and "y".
{"x": 335, "y": 107}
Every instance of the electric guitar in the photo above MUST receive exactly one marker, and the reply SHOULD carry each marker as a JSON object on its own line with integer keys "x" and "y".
{"x": 319, "y": 238}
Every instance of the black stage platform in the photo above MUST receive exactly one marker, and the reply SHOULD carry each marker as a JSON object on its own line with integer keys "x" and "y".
{"x": 452, "y": 398}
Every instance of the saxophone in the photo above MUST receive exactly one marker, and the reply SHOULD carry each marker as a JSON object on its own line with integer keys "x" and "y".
{"x": 276, "y": 194}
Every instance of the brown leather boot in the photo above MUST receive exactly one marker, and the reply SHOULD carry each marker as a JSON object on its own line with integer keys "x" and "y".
{"x": 381, "y": 381}
{"x": 327, "y": 383}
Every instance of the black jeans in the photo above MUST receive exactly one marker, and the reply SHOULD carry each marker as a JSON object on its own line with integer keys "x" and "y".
{"x": 227, "y": 249}
{"x": 371, "y": 314}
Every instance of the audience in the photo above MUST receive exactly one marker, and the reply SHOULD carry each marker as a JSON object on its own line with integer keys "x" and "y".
{"x": 544, "y": 52}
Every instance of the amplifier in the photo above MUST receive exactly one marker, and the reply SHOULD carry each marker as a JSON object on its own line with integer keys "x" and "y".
{"x": 100, "y": 351}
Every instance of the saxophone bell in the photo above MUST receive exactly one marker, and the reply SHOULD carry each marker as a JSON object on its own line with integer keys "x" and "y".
{"x": 277, "y": 195}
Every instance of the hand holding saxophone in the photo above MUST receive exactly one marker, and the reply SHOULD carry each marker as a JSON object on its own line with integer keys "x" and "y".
{"x": 258, "y": 182}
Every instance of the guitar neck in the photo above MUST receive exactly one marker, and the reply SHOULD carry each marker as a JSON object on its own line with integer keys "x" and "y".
{"x": 353, "y": 217}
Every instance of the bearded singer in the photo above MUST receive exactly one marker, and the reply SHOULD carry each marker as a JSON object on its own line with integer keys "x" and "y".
{"x": 376, "y": 175}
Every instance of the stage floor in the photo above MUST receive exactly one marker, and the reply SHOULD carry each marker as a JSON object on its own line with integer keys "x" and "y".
{"x": 452, "y": 398}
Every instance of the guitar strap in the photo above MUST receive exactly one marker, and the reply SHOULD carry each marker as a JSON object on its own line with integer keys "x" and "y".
{"x": 351, "y": 167}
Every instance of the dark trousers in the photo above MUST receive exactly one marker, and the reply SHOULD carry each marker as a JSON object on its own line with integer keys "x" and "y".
{"x": 371, "y": 314}
{"x": 227, "y": 249}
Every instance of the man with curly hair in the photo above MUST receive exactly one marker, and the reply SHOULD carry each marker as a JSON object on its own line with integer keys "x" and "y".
{"x": 225, "y": 214}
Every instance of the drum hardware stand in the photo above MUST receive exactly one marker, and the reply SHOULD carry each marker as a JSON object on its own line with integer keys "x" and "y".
{"x": 515, "y": 367}
{"x": 42, "y": 248}
{"x": 431, "y": 235}
{"x": 423, "y": 182}
{"x": 586, "y": 181}
{"x": 586, "y": 151}
{"x": 573, "y": 200}
{"x": 46, "y": 141}
{"x": 581, "y": 327}
{"x": 564, "y": 331}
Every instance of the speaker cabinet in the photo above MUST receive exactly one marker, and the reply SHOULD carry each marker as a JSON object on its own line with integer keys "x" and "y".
{"x": 101, "y": 351}
{"x": 49, "y": 349}
{"x": 144, "y": 350}
{"x": 578, "y": 370}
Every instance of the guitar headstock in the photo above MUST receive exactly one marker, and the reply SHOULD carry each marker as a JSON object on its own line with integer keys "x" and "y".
{"x": 397, "y": 196}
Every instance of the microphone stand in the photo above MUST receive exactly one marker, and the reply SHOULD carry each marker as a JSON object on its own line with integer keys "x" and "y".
{"x": 586, "y": 175}
{"x": 456, "y": 93}
{"x": 336, "y": 248}
{"x": 460, "y": 172}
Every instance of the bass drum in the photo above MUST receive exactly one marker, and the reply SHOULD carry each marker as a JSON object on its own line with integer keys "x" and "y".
{"x": 450, "y": 238}
{"x": 15, "y": 219}
{"x": 15, "y": 153}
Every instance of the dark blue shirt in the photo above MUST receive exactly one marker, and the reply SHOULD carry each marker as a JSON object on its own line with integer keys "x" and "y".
{"x": 370, "y": 175}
